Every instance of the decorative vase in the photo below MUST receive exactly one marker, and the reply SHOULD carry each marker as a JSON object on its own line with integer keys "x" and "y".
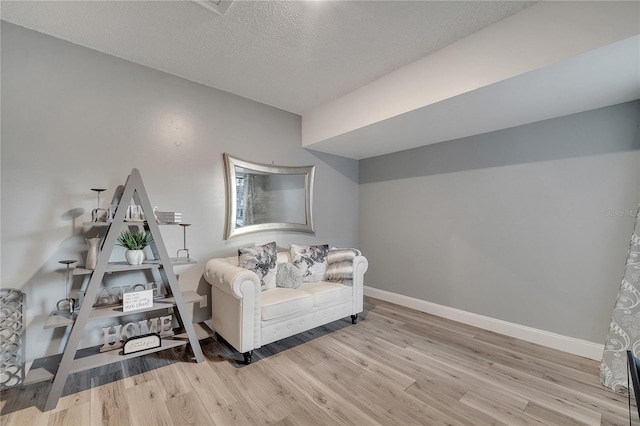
{"x": 134, "y": 257}
{"x": 92, "y": 252}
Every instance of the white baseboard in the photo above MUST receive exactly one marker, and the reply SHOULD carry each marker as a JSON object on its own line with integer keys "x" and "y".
{"x": 545, "y": 338}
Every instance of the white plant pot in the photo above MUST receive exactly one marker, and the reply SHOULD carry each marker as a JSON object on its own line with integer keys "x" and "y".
{"x": 134, "y": 257}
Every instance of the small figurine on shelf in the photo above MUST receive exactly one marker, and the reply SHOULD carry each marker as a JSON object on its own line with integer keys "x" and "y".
{"x": 134, "y": 213}
{"x": 67, "y": 305}
{"x": 113, "y": 208}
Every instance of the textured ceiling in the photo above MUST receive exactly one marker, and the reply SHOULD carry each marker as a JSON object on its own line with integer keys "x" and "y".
{"x": 294, "y": 55}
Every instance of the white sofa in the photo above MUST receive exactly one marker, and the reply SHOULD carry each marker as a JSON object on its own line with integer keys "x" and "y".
{"x": 248, "y": 317}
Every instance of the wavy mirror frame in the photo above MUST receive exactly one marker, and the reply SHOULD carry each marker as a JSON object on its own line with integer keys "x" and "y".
{"x": 232, "y": 230}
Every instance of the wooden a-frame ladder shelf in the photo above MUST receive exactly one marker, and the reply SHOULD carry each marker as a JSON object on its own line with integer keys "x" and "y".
{"x": 74, "y": 359}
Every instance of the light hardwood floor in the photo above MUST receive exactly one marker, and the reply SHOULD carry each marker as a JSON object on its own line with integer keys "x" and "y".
{"x": 397, "y": 366}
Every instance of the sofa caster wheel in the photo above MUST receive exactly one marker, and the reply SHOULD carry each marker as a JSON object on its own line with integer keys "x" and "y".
{"x": 247, "y": 357}
{"x": 354, "y": 319}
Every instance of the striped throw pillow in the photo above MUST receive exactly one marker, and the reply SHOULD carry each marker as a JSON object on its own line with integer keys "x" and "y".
{"x": 340, "y": 265}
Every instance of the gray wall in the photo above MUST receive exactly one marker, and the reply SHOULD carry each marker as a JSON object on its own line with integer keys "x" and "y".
{"x": 529, "y": 225}
{"x": 75, "y": 119}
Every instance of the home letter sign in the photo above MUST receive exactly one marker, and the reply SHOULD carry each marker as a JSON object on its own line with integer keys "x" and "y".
{"x": 113, "y": 336}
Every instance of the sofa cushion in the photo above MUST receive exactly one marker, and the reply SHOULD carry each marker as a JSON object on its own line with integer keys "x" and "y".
{"x": 327, "y": 294}
{"x": 311, "y": 260}
{"x": 262, "y": 261}
{"x": 280, "y": 302}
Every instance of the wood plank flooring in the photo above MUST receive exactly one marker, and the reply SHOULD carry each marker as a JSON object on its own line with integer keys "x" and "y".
{"x": 397, "y": 366}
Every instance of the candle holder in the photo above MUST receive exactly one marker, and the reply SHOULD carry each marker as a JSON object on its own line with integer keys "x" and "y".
{"x": 67, "y": 305}
{"x": 98, "y": 214}
{"x": 184, "y": 239}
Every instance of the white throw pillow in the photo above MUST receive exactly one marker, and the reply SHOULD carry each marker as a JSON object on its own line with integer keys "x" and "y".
{"x": 288, "y": 276}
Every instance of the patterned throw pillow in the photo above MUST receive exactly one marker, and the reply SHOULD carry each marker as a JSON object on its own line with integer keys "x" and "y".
{"x": 262, "y": 261}
{"x": 288, "y": 276}
{"x": 340, "y": 265}
{"x": 310, "y": 260}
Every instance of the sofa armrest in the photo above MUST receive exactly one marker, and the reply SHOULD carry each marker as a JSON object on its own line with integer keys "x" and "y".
{"x": 229, "y": 278}
{"x": 235, "y": 303}
{"x": 360, "y": 266}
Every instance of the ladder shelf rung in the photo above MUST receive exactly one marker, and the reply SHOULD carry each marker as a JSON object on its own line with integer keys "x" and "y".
{"x": 92, "y": 357}
{"x": 121, "y": 267}
{"x": 44, "y": 369}
{"x": 56, "y": 320}
{"x": 124, "y": 266}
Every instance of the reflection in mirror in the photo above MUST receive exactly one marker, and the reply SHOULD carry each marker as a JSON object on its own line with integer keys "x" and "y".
{"x": 262, "y": 197}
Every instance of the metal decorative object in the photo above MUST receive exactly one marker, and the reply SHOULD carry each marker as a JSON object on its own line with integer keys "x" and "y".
{"x": 184, "y": 249}
{"x": 98, "y": 214}
{"x": 67, "y": 305}
{"x": 12, "y": 345}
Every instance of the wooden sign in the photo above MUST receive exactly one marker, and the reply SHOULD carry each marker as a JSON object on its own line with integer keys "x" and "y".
{"x": 141, "y": 343}
{"x": 136, "y": 300}
{"x": 113, "y": 296}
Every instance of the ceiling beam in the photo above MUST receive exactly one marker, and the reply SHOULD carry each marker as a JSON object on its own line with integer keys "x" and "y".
{"x": 537, "y": 37}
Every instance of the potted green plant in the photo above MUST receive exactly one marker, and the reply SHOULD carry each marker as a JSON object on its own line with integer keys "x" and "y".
{"x": 135, "y": 244}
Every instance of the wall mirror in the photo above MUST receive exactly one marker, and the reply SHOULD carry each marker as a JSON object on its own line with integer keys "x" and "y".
{"x": 263, "y": 197}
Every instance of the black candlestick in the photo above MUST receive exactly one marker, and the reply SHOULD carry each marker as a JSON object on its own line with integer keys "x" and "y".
{"x": 67, "y": 300}
{"x": 184, "y": 239}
